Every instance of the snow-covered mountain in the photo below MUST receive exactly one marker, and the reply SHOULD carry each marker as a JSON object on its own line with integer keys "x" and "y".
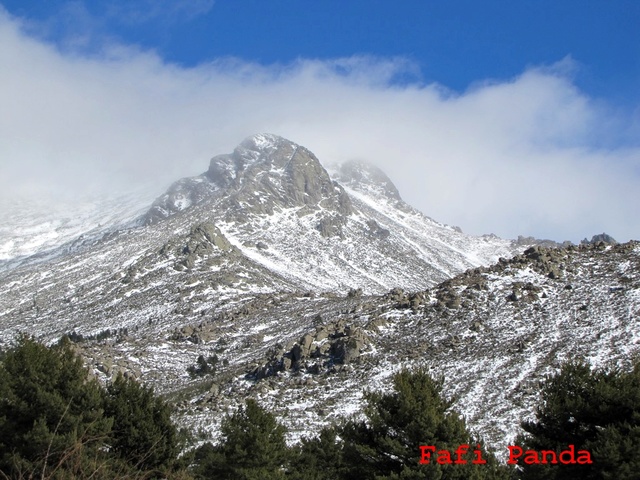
{"x": 311, "y": 286}
{"x": 265, "y": 218}
{"x": 275, "y": 202}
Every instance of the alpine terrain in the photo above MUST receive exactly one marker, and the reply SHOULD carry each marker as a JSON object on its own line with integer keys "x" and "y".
{"x": 269, "y": 277}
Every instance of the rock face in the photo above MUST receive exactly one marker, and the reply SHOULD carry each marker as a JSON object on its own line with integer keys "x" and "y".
{"x": 602, "y": 237}
{"x": 263, "y": 173}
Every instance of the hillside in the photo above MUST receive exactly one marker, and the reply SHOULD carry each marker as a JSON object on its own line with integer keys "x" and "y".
{"x": 309, "y": 286}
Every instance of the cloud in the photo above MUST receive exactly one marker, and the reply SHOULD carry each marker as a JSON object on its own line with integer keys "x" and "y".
{"x": 531, "y": 155}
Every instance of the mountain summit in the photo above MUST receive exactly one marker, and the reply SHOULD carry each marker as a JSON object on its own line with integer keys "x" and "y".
{"x": 276, "y": 203}
{"x": 263, "y": 174}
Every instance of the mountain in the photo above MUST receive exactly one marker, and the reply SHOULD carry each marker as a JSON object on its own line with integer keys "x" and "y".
{"x": 276, "y": 203}
{"x": 266, "y": 218}
{"x": 311, "y": 285}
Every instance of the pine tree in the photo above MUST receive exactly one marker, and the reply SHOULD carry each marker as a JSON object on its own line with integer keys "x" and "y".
{"x": 594, "y": 410}
{"x": 253, "y": 448}
{"x": 387, "y": 444}
{"x": 318, "y": 458}
{"x": 142, "y": 432}
{"x": 54, "y": 423}
{"x": 48, "y": 408}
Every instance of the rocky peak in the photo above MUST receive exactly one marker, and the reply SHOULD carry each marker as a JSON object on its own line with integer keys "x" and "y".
{"x": 602, "y": 237}
{"x": 257, "y": 153}
{"x": 363, "y": 176}
{"x": 264, "y": 172}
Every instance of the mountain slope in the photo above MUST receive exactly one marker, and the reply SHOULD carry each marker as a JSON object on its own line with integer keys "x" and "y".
{"x": 33, "y": 231}
{"x": 311, "y": 286}
{"x": 266, "y": 218}
{"x": 492, "y": 332}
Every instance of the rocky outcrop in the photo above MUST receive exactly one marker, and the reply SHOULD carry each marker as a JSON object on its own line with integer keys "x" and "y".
{"x": 377, "y": 231}
{"x": 600, "y": 238}
{"x": 204, "y": 238}
{"x": 524, "y": 241}
{"x": 181, "y": 195}
{"x": 331, "y": 226}
{"x": 402, "y": 300}
{"x": 267, "y": 171}
{"x": 264, "y": 173}
{"x": 203, "y": 241}
{"x": 321, "y": 351}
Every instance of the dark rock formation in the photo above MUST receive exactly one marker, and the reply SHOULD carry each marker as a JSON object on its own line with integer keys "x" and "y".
{"x": 602, "y": 237}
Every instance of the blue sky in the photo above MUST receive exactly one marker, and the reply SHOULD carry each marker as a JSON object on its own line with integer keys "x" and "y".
{"x": 511, "y": 117}
{"x": 454, "y": 43}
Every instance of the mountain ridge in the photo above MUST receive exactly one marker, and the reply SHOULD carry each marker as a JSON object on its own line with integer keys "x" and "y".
{"x": 312, "y": 286}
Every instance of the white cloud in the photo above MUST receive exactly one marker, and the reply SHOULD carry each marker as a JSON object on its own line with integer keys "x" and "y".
{"x": 532, "y": 155}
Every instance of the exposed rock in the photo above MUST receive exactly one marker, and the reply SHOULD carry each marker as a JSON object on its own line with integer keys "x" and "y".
{"x": 330, "y": 344}
{"x": 354, "y": 292}
{"x": 331, "y": 226}
{"x": 203, "y": 238}
{"x": 346, "y": 349}
{"x": 521, "y": 240}
{"x": 181, "y": 195}
{"x": 377, "y": 231}
{"x": 602, "y": 237}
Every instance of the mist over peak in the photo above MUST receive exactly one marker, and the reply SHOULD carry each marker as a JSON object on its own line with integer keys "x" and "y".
{"x": 531, "y": 155}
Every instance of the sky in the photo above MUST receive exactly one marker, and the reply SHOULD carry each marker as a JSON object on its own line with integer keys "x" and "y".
{"x": 505, "y": 117}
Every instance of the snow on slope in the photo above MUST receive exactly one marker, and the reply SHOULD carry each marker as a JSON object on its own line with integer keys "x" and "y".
{"x": 513, "y": 326}
{"x": 31, "y": 227}
{"x": 229, "y": 270}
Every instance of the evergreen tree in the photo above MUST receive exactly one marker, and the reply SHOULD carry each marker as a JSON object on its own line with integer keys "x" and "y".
{"x": 253, "y": 448}
{"x": 48, "y": 409}
{"x": 142, "y": 432}
{"x": 387, "y": 444}
{"x": 594, "y": 410}
{"x": 318, "y": 458}
{"x": 53, "y": 423}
